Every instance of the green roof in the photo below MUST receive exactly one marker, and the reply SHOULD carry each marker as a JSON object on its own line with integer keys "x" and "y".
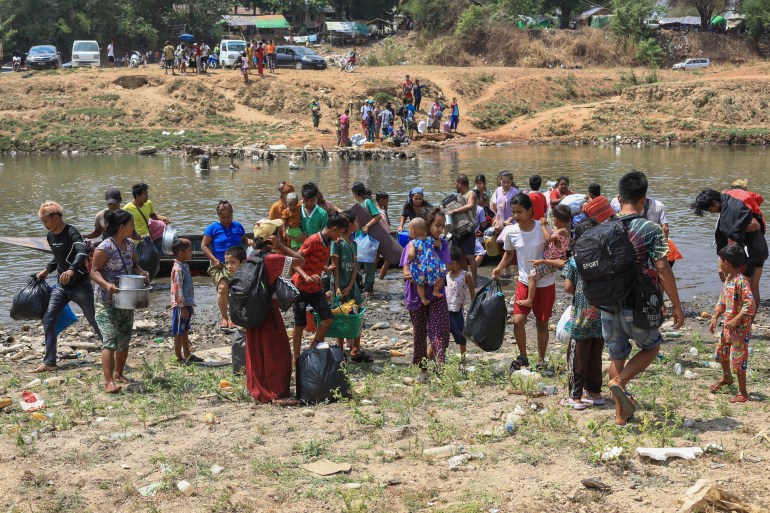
{"x": 274, "y": 21}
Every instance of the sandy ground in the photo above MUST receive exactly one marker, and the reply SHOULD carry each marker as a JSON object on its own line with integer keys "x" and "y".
{"x": 86, "y": 109}
{"x": 97, "y": 450}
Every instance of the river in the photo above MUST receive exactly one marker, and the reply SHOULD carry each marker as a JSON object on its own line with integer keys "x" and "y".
{"x": 78, "y": 183}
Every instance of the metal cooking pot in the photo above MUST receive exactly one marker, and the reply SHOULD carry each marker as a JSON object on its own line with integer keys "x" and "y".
{"x": 169, "y": 236}
{"x": 131, "y": 281}
{"x": 132, "y": 299}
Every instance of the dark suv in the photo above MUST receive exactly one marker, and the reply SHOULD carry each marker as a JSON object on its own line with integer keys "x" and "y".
{"x": 298, "y": 57}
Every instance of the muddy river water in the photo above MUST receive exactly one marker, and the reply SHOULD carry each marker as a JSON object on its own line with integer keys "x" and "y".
{"x": 189, "y": 199}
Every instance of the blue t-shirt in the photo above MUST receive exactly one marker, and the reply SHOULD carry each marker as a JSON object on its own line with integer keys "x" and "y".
{"x": 417, "y": 91}
{"x": 223, "y": 238}
{"x": 410, "y": 112}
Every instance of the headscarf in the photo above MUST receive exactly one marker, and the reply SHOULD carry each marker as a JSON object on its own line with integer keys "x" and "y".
{"x": 413, "y": 191}
{"x": 285, "y": 188}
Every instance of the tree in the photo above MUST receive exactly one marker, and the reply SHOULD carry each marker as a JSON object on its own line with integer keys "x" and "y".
{"x": 757, "y": 14}
{"x": 434, "y": 15}
{"x": 650, "y": 52}
{"x": 629, "y": 22}
{"x": 565, "y": 8}
{"x": 706, "y": 9}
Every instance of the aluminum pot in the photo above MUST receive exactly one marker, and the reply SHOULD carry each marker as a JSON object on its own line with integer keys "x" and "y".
{"x": 131, "y": 281}
{"x": 132, "y": 299}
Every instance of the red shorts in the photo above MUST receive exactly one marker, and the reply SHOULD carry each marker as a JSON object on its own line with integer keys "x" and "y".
{"x": 545, "y": 297}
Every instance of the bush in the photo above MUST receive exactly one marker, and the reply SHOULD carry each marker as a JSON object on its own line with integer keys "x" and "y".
{"x": 497, "y": 113}
{"x": 471, "y": 21}
{"x": 650, "y": 52}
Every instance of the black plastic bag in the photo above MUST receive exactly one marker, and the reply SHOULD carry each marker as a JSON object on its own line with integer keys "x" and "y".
{"x": 238, "y": 352}
{"x": 31, "y": 302}
{"x": 319, "y": 375}
{"x": 485, "y": 322}
{"x": 285, "y": 293}
{"x": 148, "y": 257}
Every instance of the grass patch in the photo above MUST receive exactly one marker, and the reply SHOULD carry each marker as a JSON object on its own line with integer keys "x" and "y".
{"x": 98, "y": 112}
{"x": 107, "y": 97}
{"x": 496, "y": 113}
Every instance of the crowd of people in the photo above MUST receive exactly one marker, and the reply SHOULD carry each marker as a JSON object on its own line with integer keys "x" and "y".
{"x": 316, "y": 245}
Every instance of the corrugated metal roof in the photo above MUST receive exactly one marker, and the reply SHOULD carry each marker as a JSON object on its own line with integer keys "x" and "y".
{"x": 681, "y": 20}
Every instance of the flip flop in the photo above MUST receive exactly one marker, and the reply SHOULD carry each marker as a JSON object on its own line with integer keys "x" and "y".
{"x": 716, "y": 387}
{"x": 740, "y": 398}
{"x": 625, "y": 398}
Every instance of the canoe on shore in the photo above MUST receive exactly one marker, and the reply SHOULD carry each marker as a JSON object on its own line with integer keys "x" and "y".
{"x": 199, "y": 264}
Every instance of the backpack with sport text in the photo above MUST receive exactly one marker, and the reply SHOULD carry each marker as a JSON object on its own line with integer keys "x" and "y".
{"x": 250, "y": 298}
{"x": 605, "y": 260}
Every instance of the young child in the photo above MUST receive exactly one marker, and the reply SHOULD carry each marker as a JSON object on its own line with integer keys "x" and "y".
{"x": 459, "y": 284}
{"x": 234, "y": 258}
{"x": 739, "y": 307}
{"x": 182, "y": 301}
{"x": 245, "y": 68}
{"x": 292, "y": 220}
{"x": 425, "y": 267}
{"x": 382, "y": 199}
{"x": 557, "y": 243}
{"x": 343, "y": 280}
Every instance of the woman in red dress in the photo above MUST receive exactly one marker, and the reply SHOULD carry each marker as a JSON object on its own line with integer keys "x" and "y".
{"x": 260, "y": 59}
{"x": 268, "y": 353}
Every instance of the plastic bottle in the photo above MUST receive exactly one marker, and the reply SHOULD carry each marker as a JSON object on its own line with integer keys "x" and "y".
{"x": 53, "y": 381}
{"x": 678, "y": 368}
{"x": 712, "y": 365}
{"x": 510, "y": 422}
{"x": 444, "y": 451}
{"x": 32, "y": 384}
{"x": 186, "y": 488}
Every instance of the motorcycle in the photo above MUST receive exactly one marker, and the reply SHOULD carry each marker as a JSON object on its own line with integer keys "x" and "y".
{"x": 213, "y": 61}
{"x": 16, "y": 63}
{"x": 347, "y": 64}
{"x": 135, "y": 60}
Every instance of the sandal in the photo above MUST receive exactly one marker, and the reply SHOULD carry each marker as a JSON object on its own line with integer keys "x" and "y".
{"x": 740, "y": 398}
{"x": 519, "y": 363}
{"x": 716, "y": 387}
{"x": 626, "y": 399}
{"x": 575, "y": 405}
{"x": 286, "y": 403}
{"x": 588, "y": 399}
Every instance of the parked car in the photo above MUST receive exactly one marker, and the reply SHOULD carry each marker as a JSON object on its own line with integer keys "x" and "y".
{"x": 692, "y": 64}
{"x": 43, "y": 56}
{"x": 86, "y": 53}
{"x": 229, "y": 51}
{"x": 298, "y": 57}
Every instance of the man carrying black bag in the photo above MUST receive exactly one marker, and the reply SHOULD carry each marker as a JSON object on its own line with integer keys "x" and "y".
{"x": 74, "y": 284}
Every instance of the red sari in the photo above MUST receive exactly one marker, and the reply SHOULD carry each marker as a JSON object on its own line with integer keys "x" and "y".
{"x": 268, "y": 353}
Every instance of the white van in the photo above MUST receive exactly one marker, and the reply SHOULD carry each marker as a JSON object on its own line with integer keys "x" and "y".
{"x": 692, "y": 64}
{"x": 230, "y": 50}
{"x": 86, "y": 53}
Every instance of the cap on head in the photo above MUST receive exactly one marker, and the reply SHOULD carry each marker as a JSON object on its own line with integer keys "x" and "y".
{"x": 113, "y": 196}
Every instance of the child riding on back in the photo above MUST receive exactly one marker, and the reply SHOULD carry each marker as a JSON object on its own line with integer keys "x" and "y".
{"x": 425, "y": 267}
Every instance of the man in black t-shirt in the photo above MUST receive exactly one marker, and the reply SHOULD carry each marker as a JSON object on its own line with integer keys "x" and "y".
{"x": 69, "y": 260}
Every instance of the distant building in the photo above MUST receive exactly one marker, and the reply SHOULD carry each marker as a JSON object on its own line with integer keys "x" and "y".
{"x": 587, "y": 17}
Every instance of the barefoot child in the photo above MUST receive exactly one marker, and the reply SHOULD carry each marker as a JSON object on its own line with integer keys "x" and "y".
{"x": 234, "y": 258}
{"x": 382, "y": 199}
{"x": 459, "y": 284}
{"x": 739, "y": 307}
{"x": 343, "y": 280}
{"x": 182, "y": 301}
{"x": 557, "y": 242}
{"x": 292, "y": 220}
{"x": 424, "y": 265}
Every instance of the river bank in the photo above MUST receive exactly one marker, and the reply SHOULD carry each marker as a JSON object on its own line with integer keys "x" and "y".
{"x": 119, "y": 110}
{"x": 101, "y": 451}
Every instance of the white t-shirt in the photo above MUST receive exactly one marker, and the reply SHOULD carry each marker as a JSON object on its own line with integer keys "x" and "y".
{"x": 528, "y": 246}
{"x": 110, "y": 51}
{"x": 656, "y": 212}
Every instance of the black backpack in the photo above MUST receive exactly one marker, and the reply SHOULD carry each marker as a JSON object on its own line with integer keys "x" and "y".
{"x": 605, "y": 260}
{"x": 250, "y": 298}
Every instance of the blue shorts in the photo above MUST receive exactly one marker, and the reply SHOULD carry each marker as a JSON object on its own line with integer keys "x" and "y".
{"x": 180, "y": 326}
{"x": 618, "y": 329}
{"x": 456, "y": 325}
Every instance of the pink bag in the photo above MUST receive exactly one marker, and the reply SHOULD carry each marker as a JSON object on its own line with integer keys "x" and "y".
{"x": 156, "y": 228}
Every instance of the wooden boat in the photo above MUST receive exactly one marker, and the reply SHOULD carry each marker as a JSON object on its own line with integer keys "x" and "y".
{"x": 199, "y": 264}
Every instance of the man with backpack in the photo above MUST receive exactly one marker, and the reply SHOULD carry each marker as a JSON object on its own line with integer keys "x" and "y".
{"x": 624, "y": 263}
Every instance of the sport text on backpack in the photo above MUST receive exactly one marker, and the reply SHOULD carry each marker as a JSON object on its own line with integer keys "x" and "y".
{"x": 250, "y": 296}
{"x": 605, "y": 260}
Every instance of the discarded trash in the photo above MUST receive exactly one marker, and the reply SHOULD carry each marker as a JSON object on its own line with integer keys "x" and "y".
{"x": 34, "y": 383}
{"x": 180, "y": 132}
{"x": 185, "y": 487}
{"x": 706, "y": 495}
{"x": 124, "y": 466}
{"x": 118, "y": 436}
{"x": 611, "y": 453}
{"x": 705, "y": 315}
{"x": 381, "y": 326}
{"x": 30, "y": 401}
{"x": 456, "y": 461}
{"x": 694, "y": 352}
{"x": 664, "y": 453}
{"x": 688, "y": 374}
{"x": 216, "y": 469}
{"x": 444, "y": 451}
{"x": 159, "y": 340}
{"x": 595, "y": 483}
{"x": 327, "y": 468}
{"x": 672, "y": 334}
{"x": 510, "y": 422}
{"x": 38, "y": 416}
{"x": 353, "y": 486}
{"x": 396, "y": 353}
{"x": 224, "y": 384}
{"x": 712, "y": 448}
{"x": 165, "y": 132}
{"x": 678, "y": 369}
{"x": 546, "y": 389}
{"x": 100, "y": 419}
{"x": 210, "y": 418}
{"x": 5, "y": 401}
{"x": 53, "y": 381}
{"x": 150, "y": 490}
{"x": 712, "y": 365}
{"x": 392, "y": 454}
{"x": 526, "y": 373}
{"x": 408, "y": 381}
{"x": 688, "y": 423}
